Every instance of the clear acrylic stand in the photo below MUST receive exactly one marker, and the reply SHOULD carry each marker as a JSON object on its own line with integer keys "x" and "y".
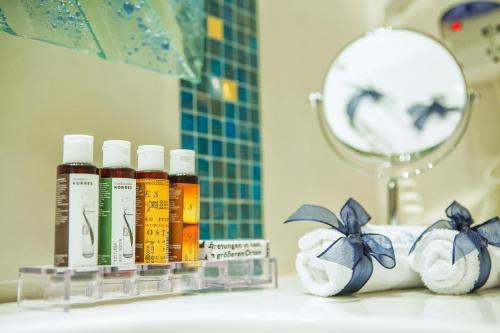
{"x": 60, "y": 288}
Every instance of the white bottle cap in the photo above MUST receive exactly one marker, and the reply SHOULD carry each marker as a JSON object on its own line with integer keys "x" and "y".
{"x": 78, "y": 148}
{"x": 116, "y": 154}
{"x": 182, "y": 162}
{"x": 150, "y": 157}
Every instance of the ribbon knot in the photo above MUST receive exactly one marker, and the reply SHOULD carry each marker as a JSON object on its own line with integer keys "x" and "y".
{"x": 356, "y": 249}
{"x": 421, "y": 113}
{"x": 469, "y": 238}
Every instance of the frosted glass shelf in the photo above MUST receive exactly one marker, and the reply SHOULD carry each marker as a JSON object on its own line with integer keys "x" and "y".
{"x": 60, "y": 288}
{"x": 165, "y": 36}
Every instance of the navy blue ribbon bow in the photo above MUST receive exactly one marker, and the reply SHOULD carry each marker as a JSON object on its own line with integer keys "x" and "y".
{"x": 355, "y": 250}
{"x": 421, "y": 113}
{"x": 469, "y": 238}
{"x": 362, "y": 94}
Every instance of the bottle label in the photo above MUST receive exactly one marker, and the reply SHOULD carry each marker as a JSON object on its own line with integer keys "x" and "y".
{"x": 116, "y": 221}
{"x": 76, "y": 220}
{"x": 152, "y": 221}
{"x": 184, "y": 222}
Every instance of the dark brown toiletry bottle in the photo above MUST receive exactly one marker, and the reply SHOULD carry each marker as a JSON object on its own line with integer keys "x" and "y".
{"x": 77, "y": 195}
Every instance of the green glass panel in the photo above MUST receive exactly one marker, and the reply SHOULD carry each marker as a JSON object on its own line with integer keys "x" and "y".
{"x": 165, "y": 36}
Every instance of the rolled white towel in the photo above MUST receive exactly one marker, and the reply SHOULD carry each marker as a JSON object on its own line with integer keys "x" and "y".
{"x": 325, "y": 278}
{"x": 433, "y": 256}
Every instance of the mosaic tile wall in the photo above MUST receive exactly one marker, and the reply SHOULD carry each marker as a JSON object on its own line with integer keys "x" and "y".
{"x": 220, "y": 121}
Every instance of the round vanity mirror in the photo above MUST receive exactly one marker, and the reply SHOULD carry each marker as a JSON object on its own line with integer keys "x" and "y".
{"x": 394, "y": 103}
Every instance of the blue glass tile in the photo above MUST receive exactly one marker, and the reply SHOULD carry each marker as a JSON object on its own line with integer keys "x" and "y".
{"x": 217, "y": 148}
{"x": 201, "y": 104}
{"x": 257, "y": 211}
{"x": 202, "y": 146}
{"x": 227, "y": 15}
{"x": 187, "y": 122}
{"x": 213, "y": 7}
{"x": 216, "y": 127}
{"x": 245, "y": 211}
{"x": 229, "y": 110}
{"x": 244, "y": 152}
{"x": 202, "y": 124}
{"x": 232, "y": 211}
{"x": 242, "y": 94}
{"x": 255, "y": 135}
{"x": 253, "y": 79}
{"x": 219, "y": 231}
{"x": 186, "y": 100}
{"x": 228, "y": 33}
{"x": 203, "y": 168}
{"x": 231, "y": 150}
{"x": 218, "y": 210}
{"x": 218, "y": 168}
{"x": 253, "y": 60}
{"x": 245, "y": 230}
{"x": 231, "y": 191}
{"x": 205, "y": 210}
{"x": 255, "y": 116}
{"x": 214, "y": 47}
{"x": 231, "y": 170}
{"x": 244, "y": 131}
{"x": 254, "y": 98}
{"x": 256, "y": 194}
{"x": 244, "y": 191}
{"x": 257, "y": 231}
{"x": 216, "y": 107}
{"x": 228, "y": 71}
{"x": 241, "y": 75}
{"x": 228, "y": 51}
{"x": 244, "y": 171}
{"x": 243, "y": 113}
{"x": 215, "y": 67}
{"x": 232, "y": 230}
{"x": 218, "y": 189}
{"x": 187, "y": 142}
{"x": 204, "y": 231}
{"x": 253, "y": 43}
{"x": 241, "y": 56}
{"x": 240, "y": 37}
{"x": 256, "y": 172}
{"x": 251, "y": 6}
{"x": 230, "y": 129}
{"x": 256, "y": 154}
{"x": 205, "y": 188}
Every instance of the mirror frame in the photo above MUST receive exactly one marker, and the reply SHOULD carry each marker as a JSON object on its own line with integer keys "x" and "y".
{"x": 395, "y": 166}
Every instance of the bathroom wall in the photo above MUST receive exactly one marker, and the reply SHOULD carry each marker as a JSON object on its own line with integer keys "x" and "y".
{"x": 48, "y": 91}
{"x": 298, "y": 41}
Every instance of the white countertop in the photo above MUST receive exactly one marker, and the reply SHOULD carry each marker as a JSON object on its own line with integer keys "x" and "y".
{"x": 286, "y": 309}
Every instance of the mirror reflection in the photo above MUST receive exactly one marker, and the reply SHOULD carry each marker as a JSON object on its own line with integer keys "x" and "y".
{"x": 394, "y": 92}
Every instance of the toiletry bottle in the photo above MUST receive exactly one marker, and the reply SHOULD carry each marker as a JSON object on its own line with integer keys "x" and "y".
{"x": 184, "y": 207}
{"x": 77, "y": 195}
{"x": 116, "y": 205}
{"x": 151, "y": 206}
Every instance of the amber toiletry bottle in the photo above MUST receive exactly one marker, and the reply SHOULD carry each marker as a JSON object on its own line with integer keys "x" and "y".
{"x": 77, "y": 195}
{"x": 151, "y": 206}
{"x": 184, "y": 207}
{"x": 116, "y": 205}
